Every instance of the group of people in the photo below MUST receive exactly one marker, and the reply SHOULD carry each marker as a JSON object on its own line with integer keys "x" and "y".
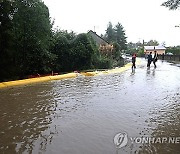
{"x": 154, "y": 59}
{"x": 149, "y": 58}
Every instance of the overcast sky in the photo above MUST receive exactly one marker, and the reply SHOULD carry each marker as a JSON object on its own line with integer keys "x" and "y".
{"x": 141, "y": 19}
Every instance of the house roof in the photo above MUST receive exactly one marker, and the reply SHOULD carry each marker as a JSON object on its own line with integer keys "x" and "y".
{"x": 154, "y": 48}
{"x": 100, "y": 39}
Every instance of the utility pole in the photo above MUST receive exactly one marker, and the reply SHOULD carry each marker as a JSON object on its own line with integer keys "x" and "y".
{"x": 143, "y": 45}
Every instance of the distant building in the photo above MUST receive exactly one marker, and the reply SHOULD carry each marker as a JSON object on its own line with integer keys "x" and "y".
{"x": 104, "y": 46}
{"x": 160, "y": 49}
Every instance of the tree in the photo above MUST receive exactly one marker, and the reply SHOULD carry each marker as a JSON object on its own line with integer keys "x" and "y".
{"x": 140, "y": 52}
{"x": 116, "y": 34}
{"x": 73, "y": 54}
{"x": 172, "y": 4}
{"x": 6, "y": 39}
{"x": 61, "y": 48}
{"x": 32, "y": 30}
{"x": 152, "y": 43}
{"x": 120, "y": 36}
{"x": 70, "y": 36}
{"x": 82, "y": 52}
{"x": 25, "y": 38}
{"x": 117, "y": 59}
{"x": 110, "y": 33}
{"x": 174, "y": 50}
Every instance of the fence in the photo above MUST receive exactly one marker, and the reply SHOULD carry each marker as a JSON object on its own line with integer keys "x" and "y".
{"x": 169, "y": 57}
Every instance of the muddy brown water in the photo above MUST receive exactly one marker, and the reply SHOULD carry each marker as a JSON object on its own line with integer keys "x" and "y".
{"x": 82, "y": 115}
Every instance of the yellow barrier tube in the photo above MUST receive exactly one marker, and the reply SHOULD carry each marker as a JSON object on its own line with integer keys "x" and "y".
{"x": 36, "y": 80}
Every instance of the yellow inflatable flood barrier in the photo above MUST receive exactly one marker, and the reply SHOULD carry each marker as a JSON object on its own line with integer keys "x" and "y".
{"x": 35, "y": 80}
{"x": 116, "y": 70}
{"x": 88, "y": 73}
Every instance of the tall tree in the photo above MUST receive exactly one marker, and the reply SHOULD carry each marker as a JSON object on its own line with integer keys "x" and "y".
{"x": 172, "y": 4}
{"x": 32, "y": 29}
{"x": 110, "y": 33}
{"x": 120, "y": 36}
{"x": 116, "y": 35}
{"x": 25, "y": 37}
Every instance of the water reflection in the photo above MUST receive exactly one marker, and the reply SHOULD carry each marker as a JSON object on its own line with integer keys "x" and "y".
{"x": 24, "y": 115}
{"x": 154, "y": 72}
{"x": 133, "y": 71}
{"x": 164, "y": 123}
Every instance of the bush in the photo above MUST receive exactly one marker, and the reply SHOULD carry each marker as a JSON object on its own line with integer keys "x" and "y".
{"x": 103, "y": 63}
{"x": 76, "y": 54}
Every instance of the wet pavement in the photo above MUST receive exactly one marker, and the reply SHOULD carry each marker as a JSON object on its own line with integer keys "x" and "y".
{"x": 82, "y": 115}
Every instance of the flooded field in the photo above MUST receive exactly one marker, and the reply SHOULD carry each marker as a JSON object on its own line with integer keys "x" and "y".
{"x": 82, "y": 115}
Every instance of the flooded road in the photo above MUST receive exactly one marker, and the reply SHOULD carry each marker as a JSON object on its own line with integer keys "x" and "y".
{"x": 82, "y": 115}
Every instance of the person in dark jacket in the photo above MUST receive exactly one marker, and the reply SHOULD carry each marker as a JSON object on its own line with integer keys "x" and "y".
{"x": 134, "y": 61}
{"x": 155, "y": 58}
{"x": 163, "y": 56}
{"x": 149, "y": 59}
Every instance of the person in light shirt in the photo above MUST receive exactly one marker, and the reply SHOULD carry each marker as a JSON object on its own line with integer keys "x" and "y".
{"x": 155, "y": 58}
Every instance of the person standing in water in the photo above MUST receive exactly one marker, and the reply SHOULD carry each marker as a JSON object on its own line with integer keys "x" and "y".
{"x": 134, "y": 61}
{"x": 155, "y": 58}
{"x": 149, "y": 59}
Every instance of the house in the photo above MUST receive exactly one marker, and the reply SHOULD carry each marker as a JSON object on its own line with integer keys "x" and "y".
{"x": 104, "y": 46}
{"x": 160, "y": 49}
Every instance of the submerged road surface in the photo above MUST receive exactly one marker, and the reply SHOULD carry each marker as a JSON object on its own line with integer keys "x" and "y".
{"x": 83, "y": 115}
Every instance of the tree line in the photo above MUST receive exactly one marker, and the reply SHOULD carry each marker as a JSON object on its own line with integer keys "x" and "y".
{"x": 29, "y": 45}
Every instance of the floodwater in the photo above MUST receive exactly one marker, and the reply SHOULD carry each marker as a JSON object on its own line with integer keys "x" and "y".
{"x": 82, "y": 115}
